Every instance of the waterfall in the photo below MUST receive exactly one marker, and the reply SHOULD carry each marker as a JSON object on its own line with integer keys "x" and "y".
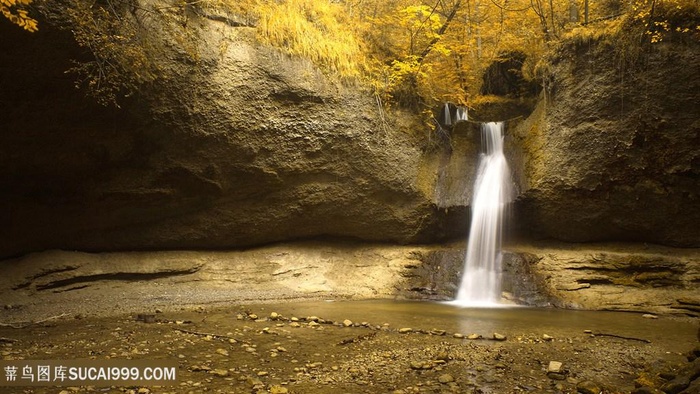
{"x": 481, "y": 277}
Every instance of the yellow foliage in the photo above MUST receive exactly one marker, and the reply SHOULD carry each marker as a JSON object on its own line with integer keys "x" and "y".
{"x": 318, "y": 30}
{"x": 13, "y": 11}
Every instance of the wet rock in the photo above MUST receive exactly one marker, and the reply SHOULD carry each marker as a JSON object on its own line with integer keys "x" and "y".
{"x": 694, "y": 388}
{"x": 676, "y": 385}
{"x": 588, "y": 387}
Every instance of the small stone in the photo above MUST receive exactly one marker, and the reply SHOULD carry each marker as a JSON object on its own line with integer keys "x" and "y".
{"x": 554, "y": 366}
{"x": 219, "y": 372}
{"x": 499, "y": 337}
{"x": 277, "y": 389}
{"x": 294, "y": 324}
{"x": 416, "y": 365}
{"x": 263, "y": 373}
{"x": 347, "y": 323}
{"x": 446, "y": 378}
{"x": 474, "y": 336}
{"x": 253, "y": 316}
{"x": 222, "y": 352}
{"x": 255, "y": 382}
{"x": 405, "y": 330}
{"x": 556, "y": 376}
{"x": 587, "y": 331}
{"x": 143, "y": 390}
{"x": 588, "y": 387}
{"x": 437, "y": 332}
{"x": 546, "y": 337}
{"x": 274, "y": 315}
{"x": 458, "y": 335}
{"x": 158, "y": 310}
{"x": 312, "y": 318}
{"x": 313, "y": 324}
{"x": 649, "y": 316}
{"x": 281, "y": 349}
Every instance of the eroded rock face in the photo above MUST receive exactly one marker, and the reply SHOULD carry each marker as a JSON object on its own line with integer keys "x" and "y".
{"x": 247, "y": 147}
{"x": 608, "y": 277}
{"x": 614, "y": 153}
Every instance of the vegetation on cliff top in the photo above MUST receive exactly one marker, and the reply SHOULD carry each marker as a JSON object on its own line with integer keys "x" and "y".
{"x": 410, "y": 52}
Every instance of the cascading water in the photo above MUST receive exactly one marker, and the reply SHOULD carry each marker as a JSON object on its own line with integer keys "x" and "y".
{"x": 481, "y": 277}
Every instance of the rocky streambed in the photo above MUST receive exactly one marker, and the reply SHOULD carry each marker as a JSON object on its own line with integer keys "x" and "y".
{"x": 376, "y": 347}
{"x": 295, "y": 318}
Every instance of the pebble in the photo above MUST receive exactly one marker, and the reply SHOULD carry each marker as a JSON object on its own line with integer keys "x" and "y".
{"x": 499, "y": 337}
{"x": 277, "y": 389}
{"x": 458, "y": 335}
{"x": 437, "y": 332}
{"x": 474, "y": 336}
{"x": 294, "y": 324}
{"x": 222, "y": 352}
{"x": 219, "y": 372}
{"x": 588, "y": 387}
{"x": 262, "y": 373}
{"x": 405, "y": 330}
{"x": 547, "y": 337}
{"x": 446, "y": 378}
{"x": 313, "y": 324}
{"x": 554, "y": 366}
{"x": 274, "y": 315}
{"x": 253, "y": 316}
{"x": 649, "y": 316}
{"x": 347, "y": 323}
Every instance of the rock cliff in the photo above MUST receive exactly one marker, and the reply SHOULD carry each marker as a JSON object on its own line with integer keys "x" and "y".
{"x": 249, "y": 146}
{"x": 613, "y": 151}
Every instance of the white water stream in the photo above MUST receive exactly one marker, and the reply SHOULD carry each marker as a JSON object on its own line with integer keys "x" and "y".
{"x": 493, "y": 191}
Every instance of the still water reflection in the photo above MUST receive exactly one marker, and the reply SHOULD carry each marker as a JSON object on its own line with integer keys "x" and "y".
{"x": 673, "y": 333}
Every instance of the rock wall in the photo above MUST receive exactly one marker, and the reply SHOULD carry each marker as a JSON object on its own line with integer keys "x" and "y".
{"x": 247, "y": 146}
{"x": 613, "y": 151}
